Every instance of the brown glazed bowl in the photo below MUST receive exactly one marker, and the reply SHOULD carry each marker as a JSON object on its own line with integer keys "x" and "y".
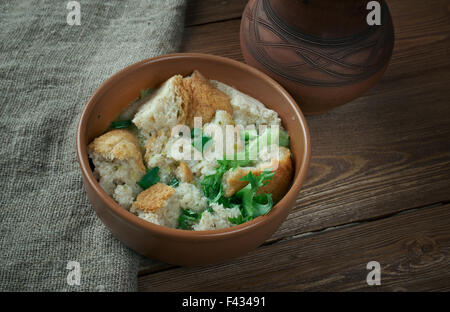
{"x": 176, "y": 246}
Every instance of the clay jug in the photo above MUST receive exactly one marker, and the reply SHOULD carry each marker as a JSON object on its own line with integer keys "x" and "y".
{"x": 324, "y": 52}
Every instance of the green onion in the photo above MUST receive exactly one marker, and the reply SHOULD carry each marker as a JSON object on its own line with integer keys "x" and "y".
{"x": 121, "y": 124}
{"x": 188, "y": 218}
{"x": 149, "y": 179}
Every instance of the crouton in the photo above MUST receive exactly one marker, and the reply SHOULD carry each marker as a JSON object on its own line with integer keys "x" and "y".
{"x": 161, "y": 204}
{"x": 279, "y": 184}
{"x": 166, "y": 108}
{"x": 118, "y": 144}
{"x": 246, "y": 109}
{"x": 154, "y": 198}
{"x": 118, "y": 164}
{"x": 205, "y": 99}
{"x": 231, "y": 180}
{"x": 158, "y": 204}
{"x": 183, "y": 173}
{"x": 281, "y": 180}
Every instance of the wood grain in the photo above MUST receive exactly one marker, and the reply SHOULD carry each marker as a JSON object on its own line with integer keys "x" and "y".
{"x": 412, "y": 248}
{"x": 213, "y": 11}
{"x": 217, "y": 38}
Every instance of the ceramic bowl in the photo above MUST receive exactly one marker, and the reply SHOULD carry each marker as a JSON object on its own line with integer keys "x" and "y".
{"x": 176, "y": 246}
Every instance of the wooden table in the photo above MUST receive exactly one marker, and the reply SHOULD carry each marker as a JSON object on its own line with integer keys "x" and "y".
{"x": 378, "y": 188}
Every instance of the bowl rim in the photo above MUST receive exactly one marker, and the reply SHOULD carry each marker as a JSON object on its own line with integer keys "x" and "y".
{"x": 173, "y": 233}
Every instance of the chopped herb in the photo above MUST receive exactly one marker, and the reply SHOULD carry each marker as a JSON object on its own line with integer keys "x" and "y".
{"x": 150, "y": 178}
{"x": 239, "y": 219}
{"x": 195, "y": 132}
{"x": 250, "y": 203}
{"x": 174, "y": 182}
{"x": 238, "y": 161}
{"x": 249, "y": 135}
{"x": 199, "y": 140}
{"x": 121, "y": 124}
{"x": 212, "y": 184}
{"x": 255, "y": 205}
{"x": 188, "y": 218}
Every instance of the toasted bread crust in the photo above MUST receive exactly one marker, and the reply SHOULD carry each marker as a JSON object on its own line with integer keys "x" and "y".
{"x": 186, "y": 97}
{"x": 184, "y": 173}
{"x": 205, "y": 99}
{"x": 153, "y": 198}
{"x": 232, "y": 179}
{"x": 166, "y": 107}
{"x": 281, "y": 180}
{"x": 118, "y": 144}
{"x": 279, "y": 184}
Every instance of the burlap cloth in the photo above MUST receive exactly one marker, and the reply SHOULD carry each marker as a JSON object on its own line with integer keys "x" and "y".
{"x": 48, "y": 71}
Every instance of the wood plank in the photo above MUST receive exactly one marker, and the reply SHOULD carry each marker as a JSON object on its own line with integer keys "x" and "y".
{"x": 393, "y": 156}
{"x": 210, "y": 11}
{"x": 218, "y": 38}
{"x": 148, "y": 266}
{"x": 412, "y": 248}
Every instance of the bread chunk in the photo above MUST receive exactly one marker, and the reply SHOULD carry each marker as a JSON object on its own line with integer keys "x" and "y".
{"x": 279, "y": 184}
{"x": 162, "y": 204}
{"x": 166, "y": 108}
{"x": 118, "y": 144}
{"x": 205, "y": 99}
{"x": 246, "y": 109}
{"x": 154, "y": 198}
{"x": 118, "y": 164}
